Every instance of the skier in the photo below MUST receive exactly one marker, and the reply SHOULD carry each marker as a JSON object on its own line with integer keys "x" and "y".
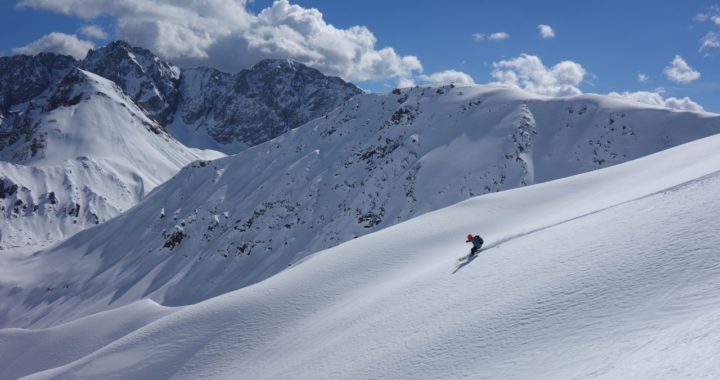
{"x": 477, "y": 243}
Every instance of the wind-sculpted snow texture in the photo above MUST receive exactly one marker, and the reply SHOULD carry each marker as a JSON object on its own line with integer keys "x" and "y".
{"x": 609, "y": 274}
{"x": 376, "y": 161}
{"x": 77, "y": 155}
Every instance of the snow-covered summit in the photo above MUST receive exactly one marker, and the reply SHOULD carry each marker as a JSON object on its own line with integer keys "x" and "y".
{"x": 78, "y": 155}
{"x": 377, "y": 160}
{"x": 74, "y": 118}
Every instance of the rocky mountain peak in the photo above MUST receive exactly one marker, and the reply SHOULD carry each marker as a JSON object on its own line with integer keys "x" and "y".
{"x": 276, "y": 64}
{"x": 270, "y": 73}
{"x": 146, "y": 78}
{"x": 254, "y": 105}
{"x": 202, "y": 107}
{"x": 69, "y": 91}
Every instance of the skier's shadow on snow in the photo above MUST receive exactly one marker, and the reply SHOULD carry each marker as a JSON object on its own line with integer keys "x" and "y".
{"x": 475, "y": 256}
{"x": 466, "y": 262}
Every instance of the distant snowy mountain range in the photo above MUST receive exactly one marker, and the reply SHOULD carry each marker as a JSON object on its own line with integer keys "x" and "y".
{"x": 202, "y": 107}
{"x": 82, "y": 141}
{"x": 377, "y": 160}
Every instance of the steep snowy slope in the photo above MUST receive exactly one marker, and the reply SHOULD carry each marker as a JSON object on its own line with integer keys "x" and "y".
{"x": 609, "y": 274}
{"x": 77, "y": 156}
{"x": 378, "y": 160}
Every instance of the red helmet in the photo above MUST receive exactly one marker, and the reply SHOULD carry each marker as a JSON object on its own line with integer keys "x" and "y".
{"x": 469, "y": 237}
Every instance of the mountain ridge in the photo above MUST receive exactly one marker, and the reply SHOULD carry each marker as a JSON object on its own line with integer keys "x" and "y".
{"x": 377, "y": 160}
{"x": 241, "y": 110}
{"x": 33, "y": 88}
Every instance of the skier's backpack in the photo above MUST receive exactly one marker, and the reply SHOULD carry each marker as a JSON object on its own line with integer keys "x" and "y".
{"x": 477, "y": 237}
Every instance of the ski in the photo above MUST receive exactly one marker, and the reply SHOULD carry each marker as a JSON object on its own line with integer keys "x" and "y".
{"x": 466, "y": 257}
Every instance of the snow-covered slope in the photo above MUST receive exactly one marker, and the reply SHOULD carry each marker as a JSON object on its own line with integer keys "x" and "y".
{"x": 378, "y": 160}
{"x": 20, "y": 349}
{"x": 76, "y": 156}
{"x": 609, "y": 274}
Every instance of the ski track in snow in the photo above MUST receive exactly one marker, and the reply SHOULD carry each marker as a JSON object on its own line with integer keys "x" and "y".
{"x": 615, "y": 284}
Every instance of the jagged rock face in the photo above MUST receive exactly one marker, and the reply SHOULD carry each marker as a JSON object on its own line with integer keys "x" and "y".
{"x": 260, "y": 103}
{"x": 24, "y": 77}
{"x": 19, "y": 139}
{"x": 200, "y": 88}
{"x": 150, "y": 81}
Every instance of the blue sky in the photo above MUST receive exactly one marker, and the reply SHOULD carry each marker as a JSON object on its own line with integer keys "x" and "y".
{"x": 605, "y": 45}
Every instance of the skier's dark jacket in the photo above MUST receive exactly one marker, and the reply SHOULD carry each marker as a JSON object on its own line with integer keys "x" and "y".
{"x": 476, "y": 240}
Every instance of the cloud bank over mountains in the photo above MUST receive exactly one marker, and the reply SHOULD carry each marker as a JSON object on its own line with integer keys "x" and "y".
{"x": 529, "y": 73}
{"x": 225, "y": 35}
{"x": 655, "y": 98}
{"x": 59, "y": 43}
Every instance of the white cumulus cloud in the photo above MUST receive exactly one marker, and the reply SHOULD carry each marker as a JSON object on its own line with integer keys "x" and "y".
{"x": 656, "y": 99}
{"x": 93, "y": 31}
{"x": 679, "y": 71}
{"x": 59, "y": 43}
{"x": 546, "y": 31}
{"x": 529, "y": 73}
{"x": 497, "y": 36}
{"x": 447, "y": 77}
{"x": 225, "y": 35}
{"x": 643, "y": 78}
